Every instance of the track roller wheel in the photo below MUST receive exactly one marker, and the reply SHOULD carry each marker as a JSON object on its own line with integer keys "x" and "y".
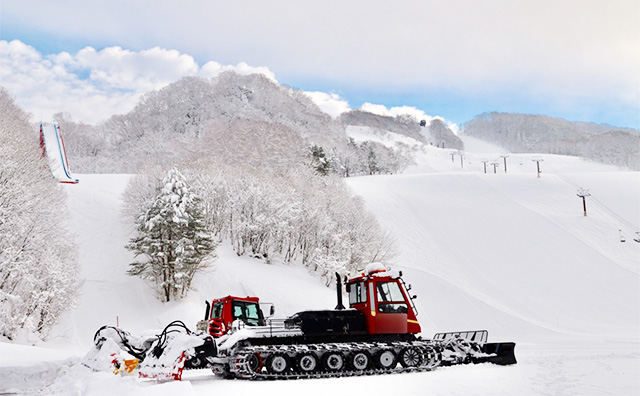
{"x": 360, "y": 360}
{"x": 432, "y": 357}
{"x": 255, "y": 363}
{"x": 411, "y": 357}
{"x": 278, "y": 363}
{"x": 385, "y": 359}
{"x": 307, "y": 362}
{"x": 333, "y": 361}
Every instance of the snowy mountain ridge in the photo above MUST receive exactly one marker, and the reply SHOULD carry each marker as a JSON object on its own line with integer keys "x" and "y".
{"x": 175, "y": 119}
{"x": 528, "y": 133}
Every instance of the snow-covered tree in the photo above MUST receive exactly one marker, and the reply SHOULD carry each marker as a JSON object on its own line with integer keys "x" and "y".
{"x": 251, "y": 144}
{"x": 38, "y": 263}
{"x": 173, "y": 238}
{"x": 295, "y": 217}
{"x": 320, "y": 162}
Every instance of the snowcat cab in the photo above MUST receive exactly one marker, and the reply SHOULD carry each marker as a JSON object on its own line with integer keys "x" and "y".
{"x": 380, "y": 308}
{"x": 222, "y": 312}
{"x": 383, "y": 298}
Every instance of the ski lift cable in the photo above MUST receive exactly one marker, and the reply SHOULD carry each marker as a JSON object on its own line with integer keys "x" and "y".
{"x": 594, "y": 208}
{"x": 614, "y": 214}
{"x": 599, "y": 203}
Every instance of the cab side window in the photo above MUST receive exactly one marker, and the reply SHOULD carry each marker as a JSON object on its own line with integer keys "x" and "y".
{"x": 357, "y": 293}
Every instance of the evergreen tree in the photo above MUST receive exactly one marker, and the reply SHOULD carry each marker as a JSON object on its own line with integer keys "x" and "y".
{"x": 173, "y": 238}
{"x": 372, "y": 161}
{"x": 320, "y": 162}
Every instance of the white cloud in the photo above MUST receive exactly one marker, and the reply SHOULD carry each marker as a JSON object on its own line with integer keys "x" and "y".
{"x": 547, "y": 45}
{"x": 555, "y": 54}
{"x": 330, "y": 103}
{"x": 376, "y": 109}
{"x": 93, "y": 85}
{"x": 137, "y": 71}
{"x": 398, "y": 110}
{"x": 212, "y": 69}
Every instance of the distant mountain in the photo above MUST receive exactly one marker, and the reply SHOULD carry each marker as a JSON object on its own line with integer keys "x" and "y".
{"x": 187, "y": 106}
{"x": 436, "y": 133}
{"x": 248, "y": 120}
{"x": 541, "y": 134}
{"x": 179, "y": 121}
{"x": 439, "y": 134}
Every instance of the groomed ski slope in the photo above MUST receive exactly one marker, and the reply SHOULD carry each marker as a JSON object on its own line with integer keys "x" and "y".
{"x": 510, "y": 253}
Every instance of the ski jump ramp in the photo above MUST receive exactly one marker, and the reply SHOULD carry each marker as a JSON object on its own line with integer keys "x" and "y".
{"x": 53, "y": 147}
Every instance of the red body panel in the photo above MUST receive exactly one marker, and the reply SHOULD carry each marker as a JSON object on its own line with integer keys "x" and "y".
{"x": 390, "y": 313}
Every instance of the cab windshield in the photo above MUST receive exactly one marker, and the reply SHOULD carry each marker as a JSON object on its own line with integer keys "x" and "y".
{"x": 389, "y": 292}
{"x": 248, "y": 312}
{"x": 390, "y": 298}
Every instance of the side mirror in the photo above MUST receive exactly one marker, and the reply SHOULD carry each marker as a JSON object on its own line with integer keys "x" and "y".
{"x": 263, "y": 309}
{"x": 408, "y": 287}
{"x": 414, "y": 297}
{"x": 348, "y": 287}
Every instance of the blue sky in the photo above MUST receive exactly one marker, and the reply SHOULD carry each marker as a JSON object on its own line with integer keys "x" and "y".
{"x": 575, "y": 59}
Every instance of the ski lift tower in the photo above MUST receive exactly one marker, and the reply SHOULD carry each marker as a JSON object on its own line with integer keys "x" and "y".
{"x": 582, "y": 193}
{"x": 537, "y": 160}
{"x": 504, "y": 157}
{"x": 484, "y": 161}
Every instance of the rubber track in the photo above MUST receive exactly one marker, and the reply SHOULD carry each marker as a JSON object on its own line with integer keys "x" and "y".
{"x": 240, "y": 361}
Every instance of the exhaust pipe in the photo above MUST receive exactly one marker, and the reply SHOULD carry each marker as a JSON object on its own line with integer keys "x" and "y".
{"x": 339, "y": 292}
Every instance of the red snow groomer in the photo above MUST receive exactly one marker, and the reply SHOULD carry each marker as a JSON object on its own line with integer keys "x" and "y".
{"x": 378, "y": 334}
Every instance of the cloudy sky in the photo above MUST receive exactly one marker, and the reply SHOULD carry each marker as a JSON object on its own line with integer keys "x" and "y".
{"x": 575, "y": 59}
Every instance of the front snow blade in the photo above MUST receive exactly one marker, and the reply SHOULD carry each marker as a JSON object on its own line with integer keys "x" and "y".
{"x": 460, "y": 347}
{"x": 502, "y": 353}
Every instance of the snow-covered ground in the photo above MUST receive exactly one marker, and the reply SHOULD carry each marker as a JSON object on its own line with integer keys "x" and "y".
{"x": 508, "y": 252}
